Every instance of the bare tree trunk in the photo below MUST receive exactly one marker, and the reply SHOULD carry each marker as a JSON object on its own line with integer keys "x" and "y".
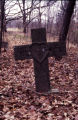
{"x": 5, "y": 29}
{"x": 48, "y": 21}
{"x": 67, "y": 20}
{"x": 24, "y": 17}
{"x": 2, "y": 22}
{"x": 39, "y": 19}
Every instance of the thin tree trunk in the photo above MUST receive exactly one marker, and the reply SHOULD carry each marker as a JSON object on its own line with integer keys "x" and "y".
{"x": 67, "y": 20}
{"x": 5, "y": 29}
{"x": 2, "y": 22}
{"x": 39, "y": 19}
{"x": 24, "y": 17}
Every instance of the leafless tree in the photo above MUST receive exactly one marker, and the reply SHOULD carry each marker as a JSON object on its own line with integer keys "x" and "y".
{"x": 2, "y": 21}
{"x": 27, "y": 12}
{"x": 66, "y": 21}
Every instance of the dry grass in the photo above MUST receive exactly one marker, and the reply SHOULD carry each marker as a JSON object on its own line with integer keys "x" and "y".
{"x": 15, "y": 37}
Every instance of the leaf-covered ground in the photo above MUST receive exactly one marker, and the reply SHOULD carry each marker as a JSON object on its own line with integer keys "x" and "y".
{"x": 18, "y": 99}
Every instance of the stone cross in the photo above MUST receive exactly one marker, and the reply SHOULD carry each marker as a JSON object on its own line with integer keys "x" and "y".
{"x": 40, "y": 50}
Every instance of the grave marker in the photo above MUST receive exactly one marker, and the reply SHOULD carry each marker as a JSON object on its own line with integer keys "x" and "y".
{"x": 40, "y": 50}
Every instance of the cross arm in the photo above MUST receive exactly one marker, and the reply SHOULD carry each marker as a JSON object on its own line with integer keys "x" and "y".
{"x": 22, "y": 52}
{"x": 57, "y": 49}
